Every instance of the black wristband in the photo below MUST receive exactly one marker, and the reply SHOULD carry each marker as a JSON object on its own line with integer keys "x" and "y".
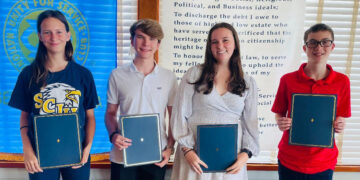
{"x": 187, "y": 151}
{"x": 247, "y": 152}
{"x": 22, "y": 127}
{"x": 112, "y": 135}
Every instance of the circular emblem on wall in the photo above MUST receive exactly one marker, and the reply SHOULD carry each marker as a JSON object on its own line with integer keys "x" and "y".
{"x": 20, "y": 37}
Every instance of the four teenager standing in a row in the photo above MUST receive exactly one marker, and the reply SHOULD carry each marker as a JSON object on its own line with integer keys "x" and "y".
{"x": 215, "y": 92}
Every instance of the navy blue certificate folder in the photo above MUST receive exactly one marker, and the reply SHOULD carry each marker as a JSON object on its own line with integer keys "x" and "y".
{"x": 144, "y": 132}
{"x": 57, "y": 140}
{"x": 216, "y": 145}
{"x": 312, "y": 120}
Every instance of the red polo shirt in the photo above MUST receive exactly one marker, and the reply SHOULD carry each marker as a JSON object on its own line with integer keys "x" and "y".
{"x": 310, "y": 160}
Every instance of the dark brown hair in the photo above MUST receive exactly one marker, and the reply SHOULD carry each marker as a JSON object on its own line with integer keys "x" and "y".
{"x": 316, "y": 28}
{"x": 40, "y": 72}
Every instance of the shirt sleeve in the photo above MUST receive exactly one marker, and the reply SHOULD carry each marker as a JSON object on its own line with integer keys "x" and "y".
{"x": 344, "y": 106}
{"x": 21, "y": 97}
{"x": 281, "y": 102}
{"x": 91, "y": 97}
{"x": 182, "y": 110}
{"x": 249, "y": 120}
{"x": 112, "y": 92}
{"x": 174, "y": 87}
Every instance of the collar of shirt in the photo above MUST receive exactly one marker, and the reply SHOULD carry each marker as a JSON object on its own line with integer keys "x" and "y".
{"x": 133, "y": 68}
{"x": 302, "y": 76}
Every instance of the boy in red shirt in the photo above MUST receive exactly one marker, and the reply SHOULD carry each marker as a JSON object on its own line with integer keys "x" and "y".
{"x": 313, "y": 77}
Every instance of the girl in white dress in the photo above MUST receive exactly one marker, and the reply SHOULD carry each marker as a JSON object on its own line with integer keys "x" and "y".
{"x": 215, "y": 92}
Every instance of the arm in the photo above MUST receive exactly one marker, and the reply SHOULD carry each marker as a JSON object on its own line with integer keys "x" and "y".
{"x": 169, "y": 149}
{"x": 249, "y": 126}
{"x": 89, "y": 136}
{"x": 117, "y": 140}
{"x": 170, "y": 144}
{"x": 111, "y": 112}
{"x": 90, "y": 132}
{"x": 280, "y": 106}
{"x": 170, "y": 139}
{"x": 89, "y": 103}
{"x": 170, "y": 103}
{"x": 181, "y": 111}
{"x": 344, "y": 108}
{"x": 31, "y": 163}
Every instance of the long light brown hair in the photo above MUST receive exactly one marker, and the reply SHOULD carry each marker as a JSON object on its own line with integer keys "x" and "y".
{"x": 236, "y": 84}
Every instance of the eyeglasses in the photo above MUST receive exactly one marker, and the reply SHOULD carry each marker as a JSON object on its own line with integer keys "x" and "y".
{"x": 323, "y": 43}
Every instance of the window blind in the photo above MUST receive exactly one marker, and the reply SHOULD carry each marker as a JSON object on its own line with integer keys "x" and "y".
{"x": 127, "y": 15}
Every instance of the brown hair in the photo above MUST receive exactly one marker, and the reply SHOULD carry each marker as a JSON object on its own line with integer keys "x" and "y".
{"x": 236, "y": 83}
{"x": 149, "y": 27}
{"x": 316, "y": 28}
{"x": 40, "y": 72}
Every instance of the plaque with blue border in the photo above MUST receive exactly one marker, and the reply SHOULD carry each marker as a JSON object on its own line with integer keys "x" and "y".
{"x": 144, "y": 132}
{"x": 57, "y": 140}
{"x": 216, "y": 145}
{"x": 313, "y": 116}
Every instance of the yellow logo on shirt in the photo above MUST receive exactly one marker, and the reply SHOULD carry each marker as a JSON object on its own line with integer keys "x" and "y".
{"x": 57, "y": 98}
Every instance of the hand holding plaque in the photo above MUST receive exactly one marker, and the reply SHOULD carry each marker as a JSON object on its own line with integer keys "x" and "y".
{"x": 144, "y": 132}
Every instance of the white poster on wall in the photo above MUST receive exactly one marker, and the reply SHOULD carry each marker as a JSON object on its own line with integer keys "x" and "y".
{"x": 270, "y": 34}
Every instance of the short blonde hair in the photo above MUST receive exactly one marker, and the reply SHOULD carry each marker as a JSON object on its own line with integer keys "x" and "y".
{"x": 149, "y": 27}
